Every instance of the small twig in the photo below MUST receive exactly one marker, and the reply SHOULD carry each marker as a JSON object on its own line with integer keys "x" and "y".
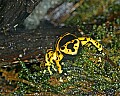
{"x": 110, "y": 61}
{"x": 9, "y": 76}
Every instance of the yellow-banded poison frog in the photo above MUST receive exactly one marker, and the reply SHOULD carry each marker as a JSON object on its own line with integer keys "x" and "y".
{"x": 66, "y": 44}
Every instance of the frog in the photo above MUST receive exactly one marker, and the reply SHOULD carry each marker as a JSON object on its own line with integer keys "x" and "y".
{"x": 67, "y": 44}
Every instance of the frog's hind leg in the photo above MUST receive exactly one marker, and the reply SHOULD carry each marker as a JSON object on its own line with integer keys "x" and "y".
{"x": 85, "y": 40}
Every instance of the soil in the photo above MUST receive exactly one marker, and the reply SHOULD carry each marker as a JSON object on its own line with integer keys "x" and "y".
{"x": 29, "y": 43}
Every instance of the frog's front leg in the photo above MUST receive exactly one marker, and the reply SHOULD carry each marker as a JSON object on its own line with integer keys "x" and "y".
{"x": 54, "y": 67}
{"x": 48, "y": 61}
{"x": 59, "y": 67}
{"x": 59, "y": 57}
{"x": 56, "y": 58}
{"x": 48, "y": 64}
{"x": 49, "y": 70}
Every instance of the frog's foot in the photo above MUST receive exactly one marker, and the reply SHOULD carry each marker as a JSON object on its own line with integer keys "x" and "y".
{"x": 49, "y": 70}
{"x": 60, "y": 71}
{"x": 54, "y": 67}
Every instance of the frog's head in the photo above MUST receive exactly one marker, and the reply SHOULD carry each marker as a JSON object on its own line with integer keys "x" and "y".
{"x": 68, "y": 44}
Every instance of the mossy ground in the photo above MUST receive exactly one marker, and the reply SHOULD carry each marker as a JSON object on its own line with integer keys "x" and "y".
{"x": 89, "y": 73}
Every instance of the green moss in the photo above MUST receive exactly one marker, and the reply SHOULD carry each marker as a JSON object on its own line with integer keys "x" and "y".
{"x": 84, "y": 74}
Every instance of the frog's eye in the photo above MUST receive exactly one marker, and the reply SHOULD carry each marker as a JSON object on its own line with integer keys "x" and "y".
{"x": 70, "y": 47}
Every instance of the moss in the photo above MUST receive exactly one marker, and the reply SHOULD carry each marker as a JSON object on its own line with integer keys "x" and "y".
{"x": 90, "y": 72}
{"x": 83, "y": 75}
{"x": 94, "y": 11}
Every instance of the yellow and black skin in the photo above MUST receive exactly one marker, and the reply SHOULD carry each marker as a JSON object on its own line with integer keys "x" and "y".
{"x": 67, "y": 44}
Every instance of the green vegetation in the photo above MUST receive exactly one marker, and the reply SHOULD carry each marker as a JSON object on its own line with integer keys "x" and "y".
{"x": 90, "y": 72}
{"x": 85, "y": 74}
